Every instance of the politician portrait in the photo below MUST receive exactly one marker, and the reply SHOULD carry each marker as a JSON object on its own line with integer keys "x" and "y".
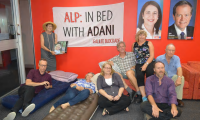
{"x": 183, "y": 15}
{"x": 149, "y": 18}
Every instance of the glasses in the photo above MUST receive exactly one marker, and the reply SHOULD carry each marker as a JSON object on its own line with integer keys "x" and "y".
{"x": 43, "y": 65}
{"x": 107, "y": 68}
{"x": 170, "y": 50}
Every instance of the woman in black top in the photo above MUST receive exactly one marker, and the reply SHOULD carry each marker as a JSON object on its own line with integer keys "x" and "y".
{"x": 144, "y": 53}
{"x": 111, "y": 87}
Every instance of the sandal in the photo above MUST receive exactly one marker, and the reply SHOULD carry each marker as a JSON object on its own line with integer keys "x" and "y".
{"x": 105, "y": 112}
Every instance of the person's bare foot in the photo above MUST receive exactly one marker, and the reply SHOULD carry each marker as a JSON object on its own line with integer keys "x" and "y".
{"x": 63, "y": 106}
{"x": 127, "y": 109}
{"x": 52, "y": 108}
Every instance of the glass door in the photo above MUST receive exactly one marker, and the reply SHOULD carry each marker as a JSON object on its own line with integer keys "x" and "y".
{"x": 12, "y": 72}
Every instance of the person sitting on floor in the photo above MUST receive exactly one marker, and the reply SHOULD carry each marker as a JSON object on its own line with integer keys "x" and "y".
{"x": 161, "y": 94}
{"x": 111, "y": 87}
{"x": 77, "y": 92}
{"x": 36, "y": 81}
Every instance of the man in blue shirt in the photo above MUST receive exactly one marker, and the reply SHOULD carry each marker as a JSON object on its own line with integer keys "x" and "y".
{"x": 173, "y": 70}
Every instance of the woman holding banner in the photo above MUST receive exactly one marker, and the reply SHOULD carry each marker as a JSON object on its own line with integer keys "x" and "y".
{"x": 48, "y": 39}
{"x": 150, "y": 19}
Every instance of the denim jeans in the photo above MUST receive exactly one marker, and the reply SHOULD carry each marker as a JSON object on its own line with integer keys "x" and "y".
{"x": 73, "y": 96}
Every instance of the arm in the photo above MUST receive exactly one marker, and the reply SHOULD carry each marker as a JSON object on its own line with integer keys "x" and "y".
{"x": 155, "y": 109}
{"x": 149, "y": 60}
{"x": 121, "y": 86}
{"x": 29, "y": 82}
{"x": 174, "y": 110}
{"x": 151, "y": 51}
{"x": 100, "y": 89}
{"x": 56, "y": 39}
{"x": 42, "y": 43}
{"x": 132, "y": 47}
{"x": 179, "y": 73}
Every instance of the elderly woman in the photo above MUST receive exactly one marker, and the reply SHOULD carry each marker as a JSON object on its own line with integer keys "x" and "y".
{"x": 111, "y": 87}
{"x": 48, "y": 40}
{"x": 144, "y": 52}
{"x": 76, "y": 93}
{"x": 150, "y": 19}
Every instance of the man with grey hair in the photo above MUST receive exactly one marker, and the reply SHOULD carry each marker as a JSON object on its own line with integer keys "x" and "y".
{"x": 36, "y": 80}
{"x": 173, "y": 70}
{"x": 126, "y": 62}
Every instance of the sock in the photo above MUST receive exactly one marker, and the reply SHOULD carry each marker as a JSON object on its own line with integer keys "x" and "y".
{"x": 144, "y": 98}
{"x": 138, "y": 92}
{"x": 129, "y": 90}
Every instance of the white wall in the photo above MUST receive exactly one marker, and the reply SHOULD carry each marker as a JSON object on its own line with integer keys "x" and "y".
{"x": 26, "y": 33}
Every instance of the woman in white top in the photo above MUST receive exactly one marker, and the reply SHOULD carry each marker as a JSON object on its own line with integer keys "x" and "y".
{"x": 150, "y": 19}
{"x": 111, "y": 87}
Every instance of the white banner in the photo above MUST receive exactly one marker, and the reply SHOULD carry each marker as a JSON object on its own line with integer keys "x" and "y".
{"x": 90, "y": 26}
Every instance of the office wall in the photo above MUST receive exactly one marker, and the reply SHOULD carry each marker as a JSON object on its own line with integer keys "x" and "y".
{"x": 86, "y": 59}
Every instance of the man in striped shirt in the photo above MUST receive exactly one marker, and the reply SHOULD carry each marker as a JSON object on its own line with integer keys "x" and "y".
{"x": 126, "y": 63}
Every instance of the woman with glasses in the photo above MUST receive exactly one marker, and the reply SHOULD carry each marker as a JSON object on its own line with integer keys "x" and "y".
{"x": 111, "y": 87}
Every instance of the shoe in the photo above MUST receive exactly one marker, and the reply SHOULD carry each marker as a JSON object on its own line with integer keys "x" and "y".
{"x": 10, "y": 116}
{"x": 132, "y": 95}
{"x": 180, "y": 103}
{"x": 138, "y": 99}
{"x": 28, "y": 109}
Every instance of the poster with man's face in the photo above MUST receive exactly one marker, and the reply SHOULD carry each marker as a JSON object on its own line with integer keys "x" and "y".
{"x": 182, "y": 19}
{"x": 149, "y": 18}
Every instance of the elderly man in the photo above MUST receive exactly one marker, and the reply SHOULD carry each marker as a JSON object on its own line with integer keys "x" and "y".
{"x": 35, "y": 82}
{"x": 173, "y": 70}
{"x": 126, "y": 62}
{"x": 161, "y": 94}
{"x": 182, "y": 13}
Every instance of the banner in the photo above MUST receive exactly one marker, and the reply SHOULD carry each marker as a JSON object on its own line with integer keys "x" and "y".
{"x": 90, "y": 26}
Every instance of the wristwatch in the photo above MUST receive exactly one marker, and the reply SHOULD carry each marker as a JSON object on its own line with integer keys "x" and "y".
{"x": 119, "y": 95}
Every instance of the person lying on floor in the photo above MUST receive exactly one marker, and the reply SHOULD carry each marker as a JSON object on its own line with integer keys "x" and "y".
{"x": 36, "y": 81}
{"x": 111, "y": 87}
{"x": 161, "y": 94}
{"x": 77, "y": 92}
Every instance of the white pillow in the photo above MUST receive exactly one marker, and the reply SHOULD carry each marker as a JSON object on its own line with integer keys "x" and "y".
{"x": 63, "y": 76}
{"x": 115, "y": 66}
{"x": 94, "y": 80}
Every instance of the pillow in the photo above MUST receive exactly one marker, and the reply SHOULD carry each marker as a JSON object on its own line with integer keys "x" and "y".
{"x": 94, "y": 80}
{"x": 63, "y": 76}
{"x": 115, "y": 66}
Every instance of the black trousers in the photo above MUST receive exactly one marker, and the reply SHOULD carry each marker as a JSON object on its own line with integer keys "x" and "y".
{"x": 165, "y": 115}
{"x": 26, "y": 94}
{"x": 140, "y": 74}
{"x": 114, "y": 106}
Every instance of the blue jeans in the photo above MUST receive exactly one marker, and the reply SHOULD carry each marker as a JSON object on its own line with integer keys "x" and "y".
{"x": 73, "y": 96}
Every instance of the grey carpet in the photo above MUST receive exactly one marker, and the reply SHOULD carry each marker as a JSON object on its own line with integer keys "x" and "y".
{"x": 191, "y": 111}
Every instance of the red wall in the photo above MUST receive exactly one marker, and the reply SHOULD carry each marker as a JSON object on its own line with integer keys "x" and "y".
{"x": 81, "y": 60}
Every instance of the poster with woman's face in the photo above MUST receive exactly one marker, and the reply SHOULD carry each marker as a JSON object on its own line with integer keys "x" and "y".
{"x": 182, "y": 19}
{"x": 149, "y": 17}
